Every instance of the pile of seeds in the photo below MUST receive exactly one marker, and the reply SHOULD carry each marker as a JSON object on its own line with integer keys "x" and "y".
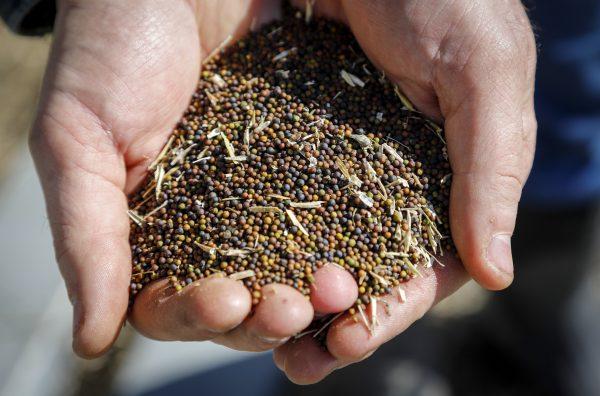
{"x": 293, "y": 153}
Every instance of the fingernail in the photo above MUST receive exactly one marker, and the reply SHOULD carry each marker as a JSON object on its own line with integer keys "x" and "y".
{"x": 499, "y": 253}
{"x": 273, "y": 340}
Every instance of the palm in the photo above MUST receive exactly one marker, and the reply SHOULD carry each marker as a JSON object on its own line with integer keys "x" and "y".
{"x": 137, "y": 79}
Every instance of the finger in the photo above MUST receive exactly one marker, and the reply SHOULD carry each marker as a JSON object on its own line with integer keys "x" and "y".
{"x": 478, "y": 63}
{"x": 232, "y": 18}
{"x": 490, "y": 129}
{"x": 200, "y": 311}
{"x": 82, "y": 177}
{"x": 282, "y": 312}
{"x": 349, "y": 340}
{"x": 334, "y": 290}
{"x": 304, "y": 361}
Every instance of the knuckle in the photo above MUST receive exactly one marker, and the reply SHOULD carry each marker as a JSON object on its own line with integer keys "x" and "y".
{"x": 506, "y": 51}
{"x": 47, "y": 142}
{"x": 484, "y": 41}
{"x": 200, "y": 317}
{"x": 348, "y": 352}
{"x": 37, "y": 139}
{"x": 529, "y": 133}
{"x": 203, "y": 314}
{"x": 449, "y": 58}
{"x": 503, "y": 49}
{"x": 508, "y": 185}
{"x": 532, "y": 124}
{"x": 518, "y": 23}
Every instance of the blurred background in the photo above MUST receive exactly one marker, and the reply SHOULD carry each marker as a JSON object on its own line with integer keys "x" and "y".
{"x": 451, "y": 351}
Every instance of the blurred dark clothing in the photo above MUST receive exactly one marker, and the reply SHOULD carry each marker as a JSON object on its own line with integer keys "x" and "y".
{"x": 566, "y": 169}
{"x": 29, "y": 17}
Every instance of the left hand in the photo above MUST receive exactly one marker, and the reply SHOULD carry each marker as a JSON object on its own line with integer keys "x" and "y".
{"x": 471, "y": 64}
{"x": 119, "y": 77}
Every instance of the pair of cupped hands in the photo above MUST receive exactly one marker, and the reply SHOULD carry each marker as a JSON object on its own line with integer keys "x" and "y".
{"x": 119, "y": 77}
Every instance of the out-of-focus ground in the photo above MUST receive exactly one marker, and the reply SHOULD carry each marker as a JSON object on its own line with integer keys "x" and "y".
{"x": 35, "y": 354}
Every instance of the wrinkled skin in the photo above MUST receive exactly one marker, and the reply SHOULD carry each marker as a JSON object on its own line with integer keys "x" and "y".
{"x": 121, "y": 74}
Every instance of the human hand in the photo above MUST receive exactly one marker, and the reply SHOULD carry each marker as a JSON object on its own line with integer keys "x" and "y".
{"x": 471, "y": 64}
{"x": 119, "y": 77}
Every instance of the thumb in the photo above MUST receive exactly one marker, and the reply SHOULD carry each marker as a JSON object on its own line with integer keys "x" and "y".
{"x": 82, "y": 177}
{"x": 490, "y": 127}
